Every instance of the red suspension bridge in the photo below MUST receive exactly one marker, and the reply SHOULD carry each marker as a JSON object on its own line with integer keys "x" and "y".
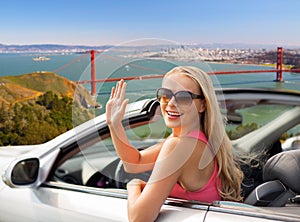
{"x": 93, "y": 81}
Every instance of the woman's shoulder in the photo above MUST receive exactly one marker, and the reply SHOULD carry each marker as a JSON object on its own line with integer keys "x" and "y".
{"x": 171, "y": 143}
{"x": 181, "y": 145}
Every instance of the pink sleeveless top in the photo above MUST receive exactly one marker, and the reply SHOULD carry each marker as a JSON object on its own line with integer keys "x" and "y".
{"x": 208, "y": 193}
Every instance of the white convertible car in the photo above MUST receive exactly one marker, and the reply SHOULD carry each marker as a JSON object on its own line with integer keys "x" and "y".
{"x": 78, "y": 176}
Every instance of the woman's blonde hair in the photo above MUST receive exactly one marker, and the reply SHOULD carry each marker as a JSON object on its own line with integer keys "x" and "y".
{"x": 212, "y": 125}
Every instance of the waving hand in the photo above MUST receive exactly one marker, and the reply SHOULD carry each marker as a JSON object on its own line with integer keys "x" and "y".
{"x": 116, "y": 105}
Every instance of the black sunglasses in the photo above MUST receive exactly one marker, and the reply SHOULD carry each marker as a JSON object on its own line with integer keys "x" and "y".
{"x": 182, "y": 98}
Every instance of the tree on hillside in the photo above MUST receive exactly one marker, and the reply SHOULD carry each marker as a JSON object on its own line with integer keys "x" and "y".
{"x": 35, "y": 122}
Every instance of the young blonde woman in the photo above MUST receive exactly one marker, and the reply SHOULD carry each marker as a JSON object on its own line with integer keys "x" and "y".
{"x": 195, "y": 162}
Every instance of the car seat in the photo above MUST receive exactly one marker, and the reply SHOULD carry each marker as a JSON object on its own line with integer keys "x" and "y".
{"x": 281, "y": 176}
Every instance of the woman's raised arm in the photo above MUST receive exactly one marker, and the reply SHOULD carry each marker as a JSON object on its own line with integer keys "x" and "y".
{"x": 134, "y": 161}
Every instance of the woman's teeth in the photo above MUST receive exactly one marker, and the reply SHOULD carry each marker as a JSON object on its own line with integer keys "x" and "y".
{"x": 174, "y": 114}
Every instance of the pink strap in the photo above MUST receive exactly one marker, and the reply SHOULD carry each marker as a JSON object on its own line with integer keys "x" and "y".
{"x": 197, "y": 134}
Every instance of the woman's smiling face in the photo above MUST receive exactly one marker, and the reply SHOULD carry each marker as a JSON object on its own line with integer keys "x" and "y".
{"x": 182, "y": 117}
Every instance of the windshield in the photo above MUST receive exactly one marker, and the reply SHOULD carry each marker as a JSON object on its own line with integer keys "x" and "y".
{"x": 250, "y": 118}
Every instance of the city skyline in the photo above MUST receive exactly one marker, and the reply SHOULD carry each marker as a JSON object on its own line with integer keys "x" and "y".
{"x": 97, "y": 22}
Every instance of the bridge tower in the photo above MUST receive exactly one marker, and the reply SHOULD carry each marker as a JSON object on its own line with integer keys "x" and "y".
{"x": 93, "y": 74}
{"x": 279, "y": 64}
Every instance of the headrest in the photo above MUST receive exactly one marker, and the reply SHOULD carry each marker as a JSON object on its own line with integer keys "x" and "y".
{"x": 285, "y": 167}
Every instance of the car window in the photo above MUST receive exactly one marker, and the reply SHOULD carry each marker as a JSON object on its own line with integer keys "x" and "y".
{"x": 98, "y": 160}
{"x": 148, "y": 133}
{"x": 251, "y": 117}
{"x": 295, "y": 131}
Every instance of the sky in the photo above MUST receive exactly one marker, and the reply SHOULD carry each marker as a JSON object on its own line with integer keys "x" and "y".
{"x": 115, "y": 22}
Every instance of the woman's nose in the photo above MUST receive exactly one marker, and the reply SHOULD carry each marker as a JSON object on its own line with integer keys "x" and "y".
{"x": 172, "y": 101}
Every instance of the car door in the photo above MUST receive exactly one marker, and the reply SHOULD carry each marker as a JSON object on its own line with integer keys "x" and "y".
{"x": 59, "y": 205}
{"x": 72, "y": 203}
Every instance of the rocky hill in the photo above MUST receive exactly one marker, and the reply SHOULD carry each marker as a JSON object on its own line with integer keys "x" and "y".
{"x": 37, "y": 107}
{"x": 29, "y": 86}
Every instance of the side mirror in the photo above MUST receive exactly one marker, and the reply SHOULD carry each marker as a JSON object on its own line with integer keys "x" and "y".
{"x": 234, "y": 118}
{"x": 292, "y": 143}
{"x": 24, "y": 172}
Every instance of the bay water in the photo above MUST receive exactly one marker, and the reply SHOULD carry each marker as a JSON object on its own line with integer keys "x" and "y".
{"x": 76, "y": 67}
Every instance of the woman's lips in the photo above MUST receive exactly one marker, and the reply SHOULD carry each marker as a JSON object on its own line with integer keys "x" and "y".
{"x": 173, "y": 114}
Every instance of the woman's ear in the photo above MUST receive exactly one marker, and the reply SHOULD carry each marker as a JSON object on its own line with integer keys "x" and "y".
{"x": 202, "y": 106}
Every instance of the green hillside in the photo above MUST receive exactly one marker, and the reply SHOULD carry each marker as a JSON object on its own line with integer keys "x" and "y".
{"x": 37, "y": 107}
{"x": 30, "y": 85}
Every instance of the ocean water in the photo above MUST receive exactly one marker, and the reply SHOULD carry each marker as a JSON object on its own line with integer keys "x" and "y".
{"x": 76, "y": 67}
{"x": 22, "y": 63}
